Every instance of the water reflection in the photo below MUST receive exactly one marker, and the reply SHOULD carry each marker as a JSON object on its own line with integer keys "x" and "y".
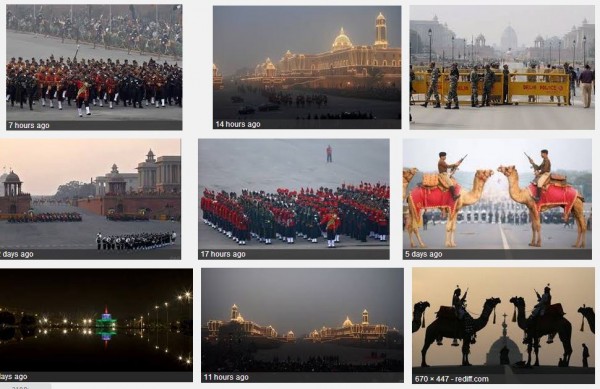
{"x": 94, "y": 349}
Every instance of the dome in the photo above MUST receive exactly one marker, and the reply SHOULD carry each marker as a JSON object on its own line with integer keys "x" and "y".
{"x": 509, "y": 39}
{"x": 380, "y": 17}
{"x": 214, "y": 67}
{"x": 12, "y": 178}
{"x": 539, "y": 38}
{"x": 347, "y": 322}
{"x": 514, "y": 354}
{"x": 290, "y": 334}
{"x": 342, "y": 41}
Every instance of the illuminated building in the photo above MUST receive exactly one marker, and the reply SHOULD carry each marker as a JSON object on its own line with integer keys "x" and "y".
{"x": 217, "y": 78}
{"x": 349, "y": 331}
{"x": 244, "y": 328}
{"x": 106, "y": 321}
{"x": 345, "y": 65}
{"x": 13, "y": 199}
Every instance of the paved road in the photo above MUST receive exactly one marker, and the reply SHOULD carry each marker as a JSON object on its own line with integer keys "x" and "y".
{"x": 500, "y": 236}
{"x": 74, "y": 235}
{"x": 501, "y": 117}
{"x": 208, "y": 238}
{"x": 28, "y": 46}
{"x": 385, "y": 112}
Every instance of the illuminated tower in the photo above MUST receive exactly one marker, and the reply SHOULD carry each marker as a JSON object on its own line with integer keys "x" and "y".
{"x": 365, "y": 317}
{"x": 380, "y": 32}
{"x": 235, "y": 313}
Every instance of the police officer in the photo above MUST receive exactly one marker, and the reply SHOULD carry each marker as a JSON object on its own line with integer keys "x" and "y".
{"x": 488, "y": 82}
{"x": 474, "y": 77}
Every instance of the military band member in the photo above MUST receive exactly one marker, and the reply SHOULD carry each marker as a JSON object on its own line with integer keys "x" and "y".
{"x": 443, "y": 168}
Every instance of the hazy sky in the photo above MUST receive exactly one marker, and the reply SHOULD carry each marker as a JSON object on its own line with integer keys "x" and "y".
{"x": 302, "y": 300}
{"x": 45, "y": 164}
{"x": 527, "y": 21}
{"x": 572, "y": 287}
{"x": 268, "y": 164}
{"x": 246, "y": 36}
{"x": 126, "y": 292}
{"x": 571, "y": 154}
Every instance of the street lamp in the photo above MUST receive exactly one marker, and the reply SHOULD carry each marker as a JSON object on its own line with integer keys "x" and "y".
{"x": 452, "y": 48}
{"x": 156, "y": 325}
{"x": 550, "y": 61}
{"x": 430, "y": 34}
{"x": 573, "y": 53}
{"x": 559, "y": 43}
{"x": 465, "y": 50}
{"x": 584, "y": 40}
{"x": 167, "y": 308}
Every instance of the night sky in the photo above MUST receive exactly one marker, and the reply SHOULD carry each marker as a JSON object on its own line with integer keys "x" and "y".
{"x": 302, "y": 300}
{"x": 127, "y": 292}
{"x": 246, "y": 36}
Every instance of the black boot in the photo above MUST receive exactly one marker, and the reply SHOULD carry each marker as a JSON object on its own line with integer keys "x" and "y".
{"x": 538, "y": 194}
{"x": 447, "y": 106}
{"x": 453, "y": 193}
{"x": 424, "y": 104}
{"x": 437, "y": 105}
{"x": 456, "y": 106}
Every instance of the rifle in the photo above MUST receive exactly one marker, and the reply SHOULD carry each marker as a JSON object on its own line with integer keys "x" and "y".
{"x": 531, "y": 162}
{"x": 537, "y": 294}
{"x": 453, "y": 170}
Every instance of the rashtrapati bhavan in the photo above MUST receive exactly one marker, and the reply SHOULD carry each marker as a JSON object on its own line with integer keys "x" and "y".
{"x": 345, "y": 65}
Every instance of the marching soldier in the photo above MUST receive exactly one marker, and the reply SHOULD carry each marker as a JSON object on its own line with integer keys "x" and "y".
{"x": 433, "y": 87}
{"x": 452, "y": 92}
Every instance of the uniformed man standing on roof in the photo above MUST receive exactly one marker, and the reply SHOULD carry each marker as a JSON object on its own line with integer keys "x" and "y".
{"x": 443, "y": 168}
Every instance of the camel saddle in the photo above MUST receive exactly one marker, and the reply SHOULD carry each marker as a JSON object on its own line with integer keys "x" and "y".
{"x": 446, "y": 312}
{"x": 555, "y": 179}
{"x": 555, "y": 310}
{"x": 432, "y": 180}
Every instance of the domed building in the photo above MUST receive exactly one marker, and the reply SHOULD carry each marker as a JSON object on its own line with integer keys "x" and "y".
{"x": 2, "y": 179}
{"x": 341, "y": 42}
{"x": 509, "y": 40}
{"x": 349, "y": 331}
{"x": 347, "y": 64}
{"x": 514, "y": 355}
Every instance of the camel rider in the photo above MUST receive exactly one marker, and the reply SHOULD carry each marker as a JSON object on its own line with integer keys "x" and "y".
{"x": 443, "y": 168}
{"x": 542, "y": 173}
{"x": 459, "y": 303}
{"x": 460, "y": 309}
{"x": 539, "y": 310}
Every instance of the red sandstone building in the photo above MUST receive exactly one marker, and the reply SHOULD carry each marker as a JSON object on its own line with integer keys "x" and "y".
{"x": 13, "y": 199}
{"x": 158, "y": 192}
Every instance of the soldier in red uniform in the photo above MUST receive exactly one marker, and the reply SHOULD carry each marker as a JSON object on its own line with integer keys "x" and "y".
{"x": 60, "y": 89}
{"x": 331, "y": 222}
{"x": 50, "y": 87}
{"x": 83, "y": 97}
{"x": 41, "y": 77}
{"x": 99, "y": 88}
{"x": 111, "y": 88}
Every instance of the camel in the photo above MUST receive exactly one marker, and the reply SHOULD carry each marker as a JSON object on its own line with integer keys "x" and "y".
{"x": 407, "y": 175}
{"x": 419, "y": 315}
{"x": 549, "y": 324}
{"x": 466, "y": 198}
{"x": 523, "y": 196}
{"x": 588, "y": 313}
{"x": 448, "y": 326}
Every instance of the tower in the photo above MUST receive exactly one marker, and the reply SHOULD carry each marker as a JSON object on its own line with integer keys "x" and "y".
{"x": 147, "y": 172}
{"x": 234, "y": 312}
{"x": 365, "y": 317}
{"x": 380, "y": 32}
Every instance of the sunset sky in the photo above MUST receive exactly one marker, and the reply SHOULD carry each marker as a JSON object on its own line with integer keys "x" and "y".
{"x": 572, "y": 287}
{"x": 45, "y": 164}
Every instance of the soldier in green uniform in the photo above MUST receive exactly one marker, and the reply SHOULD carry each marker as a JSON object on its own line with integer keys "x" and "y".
{"x": 488, "y": 82}
{"x": 474, "y": 77}
{"x": 452, "y": 93}
{"x": 433, "y": 86}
